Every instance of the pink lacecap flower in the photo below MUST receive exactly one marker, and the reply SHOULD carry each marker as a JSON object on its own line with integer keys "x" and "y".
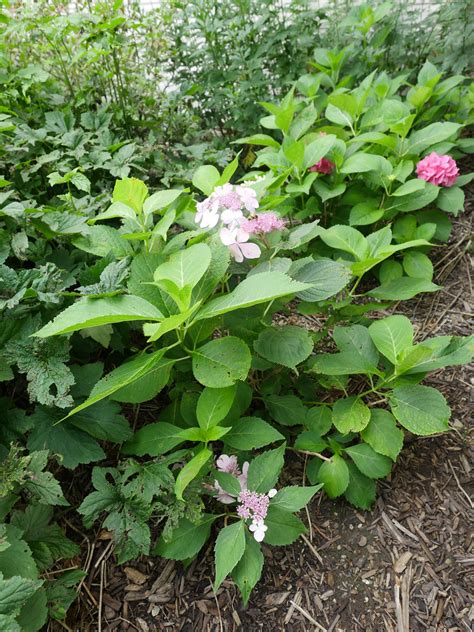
{"x": 324, "y": 166}
{"x": 236, "y": 240}
{"x": 253, "y": 505}
{"x": 441, "y": 170}
{"x": 262, "y": 223}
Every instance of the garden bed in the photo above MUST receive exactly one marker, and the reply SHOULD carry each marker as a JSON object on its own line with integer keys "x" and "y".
{"x": 408, "y": 560}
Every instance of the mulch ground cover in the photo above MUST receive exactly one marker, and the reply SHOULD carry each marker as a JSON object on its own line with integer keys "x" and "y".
{"x": 407, "y": 565}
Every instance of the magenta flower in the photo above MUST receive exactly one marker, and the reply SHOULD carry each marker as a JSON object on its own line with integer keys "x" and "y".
{"x": 324, "y": 166}
{"x": 262, "y": 223}
{"x": 438, "y": 169}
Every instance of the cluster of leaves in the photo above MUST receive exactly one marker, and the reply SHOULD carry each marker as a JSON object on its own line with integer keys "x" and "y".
{"x": 31, "y": 543}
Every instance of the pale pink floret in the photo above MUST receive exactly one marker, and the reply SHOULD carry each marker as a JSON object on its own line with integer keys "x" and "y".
{"x": 236, "y": 240}
{"x": 323, "y": 166}
{"x": 441, "y": 170}
{"x": 248, "y": 197}
{"x": 262, "y": 223}
{"x": 230, "y": 465}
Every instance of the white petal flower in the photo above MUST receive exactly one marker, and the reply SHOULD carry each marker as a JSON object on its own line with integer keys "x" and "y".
{"x": 272, "y": 492}
{"x": 258, "y": 528}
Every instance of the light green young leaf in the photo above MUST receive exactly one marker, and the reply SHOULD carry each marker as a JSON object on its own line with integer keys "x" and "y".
{"x": 350, "y": 414}
{"x": 89, "y": 312}
{"x": 213, "y": 405}
{"x": 334, "y": 474}
{"x": 131, "y": 192}
{"x": 205, "y": 178}
{"x": 160, "y": 200}
{"x": 258, "y": 139}
{"x": 392, "y": 335}
{"x": 183, "y": 270}
{"x": 189, "y": 472}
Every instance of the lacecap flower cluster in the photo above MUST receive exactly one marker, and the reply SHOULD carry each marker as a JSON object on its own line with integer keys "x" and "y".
{"x": 234, "y": 207}
{"x": 252, "y": 505}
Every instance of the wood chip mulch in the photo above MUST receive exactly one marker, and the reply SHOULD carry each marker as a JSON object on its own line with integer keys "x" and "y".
{"x": 406, "y": 566}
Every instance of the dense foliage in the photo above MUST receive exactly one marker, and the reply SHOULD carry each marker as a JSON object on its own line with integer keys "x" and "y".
{"x": 143, "y": 260}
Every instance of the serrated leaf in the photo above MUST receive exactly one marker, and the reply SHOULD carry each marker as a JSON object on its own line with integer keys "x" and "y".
{"x": 250, "y": 433}
{"x": 73, "y": 445}
{"x": 221, "y": 362}
{"x": 294, "y": 498}
{"x": 383, "y": 434}
{"x": 258, "y": 288}
{"x": 265, "y": 469}
{"x": 369, "y": 462}
{"x": 249, "y": 569}
{"x": 350, "y": 414}
{"x": 188, "y": 539}
{"x": 229, "y": 549}
{"x": 334, "y": 474}
{"x": 420, "y": 409}
{"x": 283, "y": 527}
{"x": 326, "y": 278}
{"x": 189, "y": 471}
{"x": 361, "y": 490}
{"x": 288, "y": 346}
{"x": 213, "y": 405}
{"x": 89, "y": 312}
{"x": 392, "y": 335}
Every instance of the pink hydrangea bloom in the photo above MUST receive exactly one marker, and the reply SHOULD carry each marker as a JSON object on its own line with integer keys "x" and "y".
{"x": 262, "y": 223}
{"x": 324, "y": 166}
{"x": 437, "y": 169}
